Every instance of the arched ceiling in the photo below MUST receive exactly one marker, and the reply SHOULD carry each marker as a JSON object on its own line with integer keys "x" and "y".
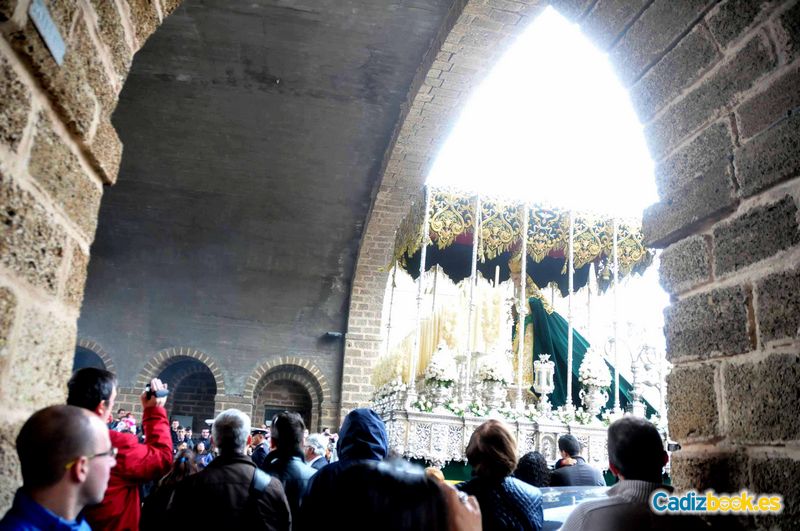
{"x": 254, "y": 135}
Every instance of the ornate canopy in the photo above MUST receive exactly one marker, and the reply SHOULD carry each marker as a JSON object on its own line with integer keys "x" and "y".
{"x": 451, "y": 226}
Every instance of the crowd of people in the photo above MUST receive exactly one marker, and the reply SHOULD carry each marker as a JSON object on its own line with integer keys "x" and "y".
{"x": 82, "y": 470}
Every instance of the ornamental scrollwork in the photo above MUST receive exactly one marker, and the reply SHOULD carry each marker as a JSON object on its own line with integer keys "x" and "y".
{"x": 587, "y": 243}
{"x": 500, "y": 227}
{"x": 451, "y": 215}
{"x": 548, "y": 230}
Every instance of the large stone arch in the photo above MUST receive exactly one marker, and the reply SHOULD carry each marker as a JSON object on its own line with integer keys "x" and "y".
{"x": 716, "y": 87}
{"x": 302, "y": 372}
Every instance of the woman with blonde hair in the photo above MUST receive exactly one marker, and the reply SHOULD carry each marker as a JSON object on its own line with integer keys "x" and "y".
{"x": 506, "y": 502}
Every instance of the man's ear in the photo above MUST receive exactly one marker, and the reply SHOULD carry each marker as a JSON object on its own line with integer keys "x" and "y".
{"x": 102, "y": 410}
{"x": 80, "y": 470}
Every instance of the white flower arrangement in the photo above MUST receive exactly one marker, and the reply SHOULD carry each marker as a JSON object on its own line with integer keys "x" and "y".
{"x": 389, "y": 389}
{"x": 494, "y": 368}
{"x": 423, "y": 404}
{"x": 594, "y": 371}
{"x": 565, "y": 414}
{"x": 441, "y": 370}
{"x": 583, "y": 417}
{"x": 455, "y": 408}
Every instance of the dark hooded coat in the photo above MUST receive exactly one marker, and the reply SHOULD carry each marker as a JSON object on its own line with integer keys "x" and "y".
{"x": 361, "y": 438}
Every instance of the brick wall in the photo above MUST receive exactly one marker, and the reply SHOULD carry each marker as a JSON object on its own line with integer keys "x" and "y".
{"x": 57, "y": 150}
{"x": 194, "y": 396}
{"x": 283, "y": 394}
{"x": 716, "y": 85}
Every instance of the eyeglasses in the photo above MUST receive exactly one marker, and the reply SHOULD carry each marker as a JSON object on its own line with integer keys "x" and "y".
{"x": 112, "y": 452}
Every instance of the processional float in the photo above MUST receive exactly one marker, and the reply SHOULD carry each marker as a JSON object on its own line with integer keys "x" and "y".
{"x": 438, "y": 386}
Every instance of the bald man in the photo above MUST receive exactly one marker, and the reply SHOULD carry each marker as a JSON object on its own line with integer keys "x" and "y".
{"x": 66, "y": 458}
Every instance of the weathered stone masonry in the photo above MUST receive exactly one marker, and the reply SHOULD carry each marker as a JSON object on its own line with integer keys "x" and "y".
{"x": 57, "y": 150}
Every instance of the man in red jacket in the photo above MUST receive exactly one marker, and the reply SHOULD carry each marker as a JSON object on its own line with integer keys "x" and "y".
{"x": 95, "y": 390}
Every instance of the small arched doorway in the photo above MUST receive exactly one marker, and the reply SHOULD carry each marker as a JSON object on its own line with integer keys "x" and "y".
{"x": 282, "y": 395}
{"x": 85, "y": 357}
{"x": 288, "y": 388}
{"x": 193, "y": 390}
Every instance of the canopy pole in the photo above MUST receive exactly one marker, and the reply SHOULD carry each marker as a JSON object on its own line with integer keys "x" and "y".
{"x": 472, "y": 279}
{"x": 571, "y": 273}
{"x": 391, "y": 307}
{"x": 616, "y": 316}
{"x": 412, "y": 384}
{"x": 589, "y": 302}
{"x": 523, "y": 307}
{"x": 435, "y": 279}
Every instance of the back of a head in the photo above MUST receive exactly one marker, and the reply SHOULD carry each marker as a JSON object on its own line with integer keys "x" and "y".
{"x": 363, "y": 436}
{"x": 398, "y": 495}
{"x": 570, "y": 444}
{"x": 492, "y": 450}
{"x": 635, "y": 449}
{"x": 90, "y": 386}
{"x": 183, "y": 466}
{"x": 317, "y": 442}
{"x": 230, "y": 431}
{"x": 533, "y": 470}
{"x": 49, "y": 440}
{"x": 287, "y": 432}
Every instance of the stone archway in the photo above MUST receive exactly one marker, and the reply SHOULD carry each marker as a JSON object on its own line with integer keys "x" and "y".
{"x": 281, "y": 393}
{"x": 89, "y": 354}
{"x": 710, "y": 83}
{"x": 303, "y": 386}
{"x": 196, "y": 384}
{"x": 193, "y": 391}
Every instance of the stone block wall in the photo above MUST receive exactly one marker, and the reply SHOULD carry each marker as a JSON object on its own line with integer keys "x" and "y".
{"x": 57, "y": 151}
{"x": 725, "y": 145}
{"x": 716, "y": 86}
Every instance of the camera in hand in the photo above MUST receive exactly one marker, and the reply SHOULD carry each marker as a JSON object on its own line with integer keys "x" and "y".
{"x": 161, "y": 393}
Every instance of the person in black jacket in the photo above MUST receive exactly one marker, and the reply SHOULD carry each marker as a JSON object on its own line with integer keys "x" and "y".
{"x": 362, "y": 438}
{"x": 285, "y": 461}
{"x": 224, "y": 494}
{"x": 259, "y": 443}
{"x": 315, "y": 447}
{"x": 578, "y": 474}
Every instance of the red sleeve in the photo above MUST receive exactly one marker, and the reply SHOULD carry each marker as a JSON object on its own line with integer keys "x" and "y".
{"x": 151, "y": 460}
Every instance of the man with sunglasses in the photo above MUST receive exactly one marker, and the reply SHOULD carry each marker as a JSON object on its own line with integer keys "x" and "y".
{"x": 66, "y": 458}
{"x": 95, "y": 390}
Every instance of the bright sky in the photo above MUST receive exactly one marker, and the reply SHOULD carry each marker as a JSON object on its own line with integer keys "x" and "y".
{"x": 552, "y": 124}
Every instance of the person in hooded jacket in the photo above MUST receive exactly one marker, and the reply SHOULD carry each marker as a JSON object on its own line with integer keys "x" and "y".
{"x": 362, "y": 438}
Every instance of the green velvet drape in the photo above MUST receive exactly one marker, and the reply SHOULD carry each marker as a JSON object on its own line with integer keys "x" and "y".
{"x": 550, "y": 336}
